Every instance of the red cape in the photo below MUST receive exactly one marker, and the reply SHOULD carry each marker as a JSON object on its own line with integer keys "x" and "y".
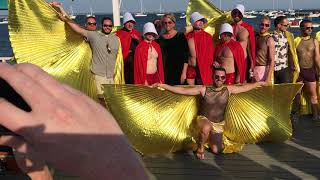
{"x": 125, "y": 39}
{"x": 252, "y": 39}
{"x": 140, "y": 62}
{"x": 205, "y": 49}
{"x": 238, "y": 56}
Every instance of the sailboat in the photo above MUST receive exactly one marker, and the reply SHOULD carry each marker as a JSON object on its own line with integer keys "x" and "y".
{"x": 72, "y": 16}
{"x": 141, "y": 13}
{"x": 160, "y": 10}
{"x": 91, "y": 11}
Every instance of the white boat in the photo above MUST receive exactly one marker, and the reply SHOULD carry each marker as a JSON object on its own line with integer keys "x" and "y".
{"x": 141, "y": 13}
{"x": 160, "y": 10}
{"x": 4, "y": 21}
{"x": 72, "y": 16}
{"x": 91, "y": 13}
{"x": 313, "y": 15}
{"x": 183, "y": 16}
{"x": 249, "y": 15}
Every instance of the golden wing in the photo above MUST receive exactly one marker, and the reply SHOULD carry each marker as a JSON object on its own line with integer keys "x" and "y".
{"x": 155, "y": 121}
{"x": 214, "y": 15}
{"x": 158, "y": 121}
{"x": 38, "y": 36}
{"x": 261, "y": 114}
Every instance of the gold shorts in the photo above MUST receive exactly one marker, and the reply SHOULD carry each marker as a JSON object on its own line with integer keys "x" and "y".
{"x": 216, "y": 127}
{"x": 102, "y": 80}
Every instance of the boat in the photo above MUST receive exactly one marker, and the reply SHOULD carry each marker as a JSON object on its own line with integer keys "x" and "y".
{"x": 313, "y": 15}
{"x": 249, "y": 15}
{"x": 160, "y": 10}
{"x": 72, "y": 16}
{"x": 141, "y": 13}
{"x": 183, "y": 16}
{"x": 91, "y": 13}
{"x": 4, "y": 21}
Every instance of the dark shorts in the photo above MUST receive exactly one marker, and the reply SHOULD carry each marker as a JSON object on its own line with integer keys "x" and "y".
{"x": 283, "y": 76}
{"x": 307, "y": 75}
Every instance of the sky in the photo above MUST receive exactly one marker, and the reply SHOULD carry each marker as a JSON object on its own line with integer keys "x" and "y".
{"x": 105, "y": 6}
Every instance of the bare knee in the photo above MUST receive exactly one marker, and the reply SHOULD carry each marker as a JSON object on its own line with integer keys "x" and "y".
{"x": 314, "y": 99}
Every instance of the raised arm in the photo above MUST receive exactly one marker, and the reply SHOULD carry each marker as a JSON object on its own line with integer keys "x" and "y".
{"x": 244, "y": 88}
{"x": 198, "y": 90}
{"x": 64, "y": 17}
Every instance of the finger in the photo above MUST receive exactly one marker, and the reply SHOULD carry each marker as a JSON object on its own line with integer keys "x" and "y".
{"x": 15, "y": 142}
{"x": 47, "y": 82}
{"x": 30, "y": 90}
{"x": 12, "y": 117}
{"x": 81, "y": 97}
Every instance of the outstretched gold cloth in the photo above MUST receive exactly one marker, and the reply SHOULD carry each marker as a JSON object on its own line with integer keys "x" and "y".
{"x": 214, "y": 15}
{"x": 39, "y": 37}
{"x": 158, "y": 121}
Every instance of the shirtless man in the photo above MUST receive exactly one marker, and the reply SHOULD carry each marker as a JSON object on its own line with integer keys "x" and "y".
{"x": 201, "y": 52}
{"x": 244, "y": 34}
{"x": 148, "y": 68}
{"x": 210, "y": 121}
{"x": 309, "y": 62}
{"x": 265, "y": 51}
{"x": 229, "y": 55}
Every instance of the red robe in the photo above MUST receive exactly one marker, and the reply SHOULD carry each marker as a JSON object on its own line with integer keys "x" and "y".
{"x": 204, "y": 49}
{"x": 252, "y": 39}
{"x": 140, "y": 62}
{"x": 125, "y": 39}
{"x": 238, "y": 56}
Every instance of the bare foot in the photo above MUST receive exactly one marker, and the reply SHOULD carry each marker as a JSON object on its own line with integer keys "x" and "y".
{"x": 200, "y": 153}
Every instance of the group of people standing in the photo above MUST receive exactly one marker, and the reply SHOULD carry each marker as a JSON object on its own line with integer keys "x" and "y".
{"x": 191, "y": 57}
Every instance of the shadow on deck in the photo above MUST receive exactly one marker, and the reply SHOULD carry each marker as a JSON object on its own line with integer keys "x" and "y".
{"x": 298, "y": 158}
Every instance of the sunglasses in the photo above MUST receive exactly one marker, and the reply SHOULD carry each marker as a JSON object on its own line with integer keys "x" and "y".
{"x": 92, "y": 24}
{"x": 308, "y": 28}
{"x": 107, "y": 25}
{"x": 167, "y": 22}
{"x": 264, "y": 25}
{"x": 285, "y": 25}
{"x": 219, "y": 77}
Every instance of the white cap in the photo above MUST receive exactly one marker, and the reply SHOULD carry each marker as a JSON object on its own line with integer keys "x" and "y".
{"x": 128, "y": 17}
{"x": 240, "y": 7}
{"x": 226, "y": 27}
{"x": 149, "y": 28}
{"x": 196, "y": 16}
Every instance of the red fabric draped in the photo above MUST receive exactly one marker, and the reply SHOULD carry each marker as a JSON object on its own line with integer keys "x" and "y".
{"x": 204, "y": 49}
{"x": 252, "y": 40}
{"x": 238, "y": 56}
{"x": 125, "y": 39}
{"x": 140, "y": 62}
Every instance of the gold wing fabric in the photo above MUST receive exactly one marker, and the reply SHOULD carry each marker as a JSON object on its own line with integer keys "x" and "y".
{"x": 293, "y": 54}
{"x": 214, "y": 15}
{"x": 38, "y": 36}
{"x": 157, "y": 121}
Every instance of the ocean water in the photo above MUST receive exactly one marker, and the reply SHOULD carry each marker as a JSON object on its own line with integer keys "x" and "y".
{"x": 6, "y": 50}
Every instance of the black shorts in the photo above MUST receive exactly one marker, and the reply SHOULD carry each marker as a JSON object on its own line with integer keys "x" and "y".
{"x": 307, "y": 75}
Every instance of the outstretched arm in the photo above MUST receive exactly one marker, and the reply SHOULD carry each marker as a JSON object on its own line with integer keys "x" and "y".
{"x": 244, "y": 88}
{"x": 72, "y": 24}
{"x": 199, "y": 90}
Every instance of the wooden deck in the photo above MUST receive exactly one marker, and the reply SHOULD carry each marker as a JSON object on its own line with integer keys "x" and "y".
{"x": 298, "y": 158}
